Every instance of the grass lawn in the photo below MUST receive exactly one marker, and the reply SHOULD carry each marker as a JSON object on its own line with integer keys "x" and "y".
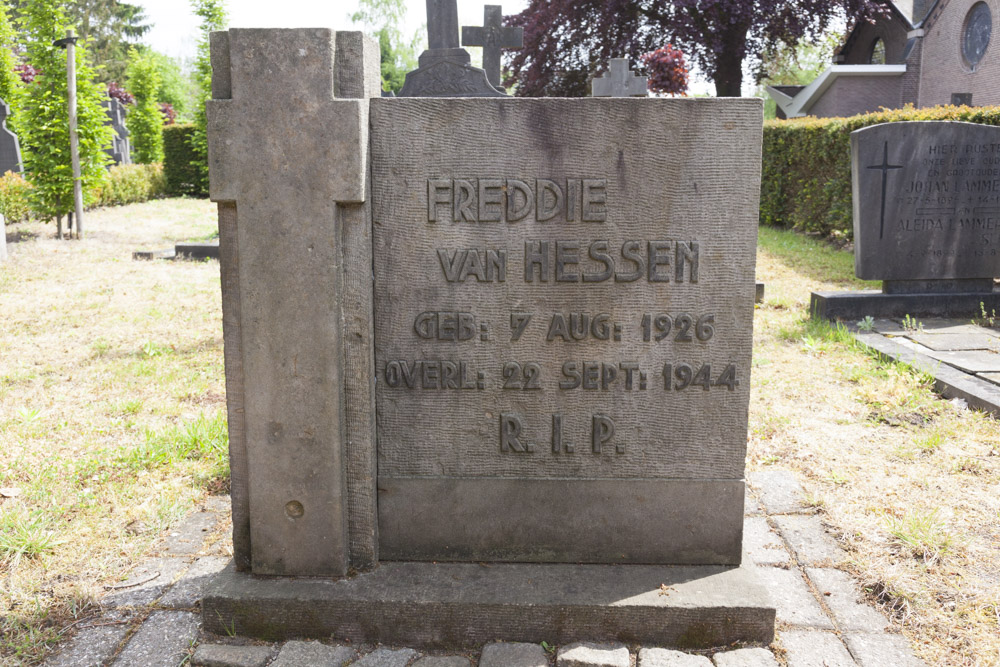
{"x": 112, "y": 427}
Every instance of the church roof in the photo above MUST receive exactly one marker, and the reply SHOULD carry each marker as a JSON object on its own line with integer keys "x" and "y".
{"x": 915, "y": 11}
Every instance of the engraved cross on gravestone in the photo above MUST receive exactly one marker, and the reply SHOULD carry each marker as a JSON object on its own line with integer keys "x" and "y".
{"x": 885, "y": 168}
{"x": 493, "y": 37}
{"x": 620, "y": 81}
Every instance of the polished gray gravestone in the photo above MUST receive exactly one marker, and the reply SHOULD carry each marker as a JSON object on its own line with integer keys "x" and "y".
{"x": 508, "y": 340}
{"x": 493, "y": 37}
{"x": 445, "y": 68}
{"x": 120, "y": 150}
{"x": 926, "y": 221}
{"x": 10, "y": 147}
{"x": 620, "y": 81}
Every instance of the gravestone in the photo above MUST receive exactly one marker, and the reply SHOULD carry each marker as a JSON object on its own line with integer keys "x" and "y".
{"x": 620, "y": 81}
{"x": 520, "y": 337}
{"x": 120, "y": 150}
{"x": 10, "y": 147}
{"x": 444, "y": 68}
{"x": 926, "y": 221}
{"x": 493, "y": 37}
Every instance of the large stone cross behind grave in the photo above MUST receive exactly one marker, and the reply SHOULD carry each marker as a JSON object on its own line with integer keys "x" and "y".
{"x": 493, "y": 37}
{"x": 620, "y": 81}
{"x": 288, "y": 158}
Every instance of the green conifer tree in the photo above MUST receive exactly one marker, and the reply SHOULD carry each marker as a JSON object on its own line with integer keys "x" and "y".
{"x": 144, "y": 120}
{"x": 213, "y": 18}
{"x": 44, "y": 121}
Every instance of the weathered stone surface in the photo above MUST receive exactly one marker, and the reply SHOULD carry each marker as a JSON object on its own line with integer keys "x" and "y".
{"x": 193, "y": 250}
{"x": 751, "y": 506}
{"x": 852, "y": 306}
{"x": 146, "y": 583}
{"x": 443, "y": 661}
{"x": 840, "y": 593}
{"x": 463, "y": 605}
{"x": 513, "y": 654}
{"x": 971, "y": 361}
{"x": 620, "y": 81}
{"x": 745, "y": 657}
{"x": 662, "y": 657}
{"x": 779, "y": 491}
{"x": 795, "y": 603}
{"x": 186, "y": 592}
{"x": 762, "y": 544}
{"x": 957, "y": 341}
{"x": 385, "y": 657}
{"x": 10, "y": 147}
{"x": 902, "y": 228}
{"x": 162, "y": 641}
{"x": 814, "y": 648}
{"x": 889, "y": 327}
{"x": 188, "y": 537}
{"x": 425, "y": 277}
{"x": 90, "y": 646}
{"x": 811, "y": 544}
{"x": 297, "y": 653}
{"x": 586, "y": 654}
{"x": 224, "y": 655}
{"x": 878, "y": 649}
{"x": 494, "y": 37}
{"x": 939, "y": 325}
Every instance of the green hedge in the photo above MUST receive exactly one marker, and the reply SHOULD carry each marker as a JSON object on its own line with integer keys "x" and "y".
{"x": 806, "y": 179}
{"x": 180, "y": 162}
{"x": 14, "y": 204}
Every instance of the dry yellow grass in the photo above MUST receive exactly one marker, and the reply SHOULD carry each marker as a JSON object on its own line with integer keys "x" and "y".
{"x": 910, "y": 481}
{"x": 111, "y": 396}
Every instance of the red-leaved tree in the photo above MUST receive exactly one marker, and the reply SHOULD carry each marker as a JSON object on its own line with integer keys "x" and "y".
{"x": 568, "y": 42}
{"x": 668, "y": 71}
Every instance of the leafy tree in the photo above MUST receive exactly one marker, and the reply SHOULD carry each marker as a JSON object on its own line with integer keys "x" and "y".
{"x": 44, "y": 123}
{"x": 144, "y": 120}
{"x": 568, "y": 41}
{"x": 784, "y": 65}
{"x": 668, "y": 71}
{"x": 175, "y": 85}
{"x": 111, "y": 26}
{"x": 11, "y": 86}
{"x": 398, "y": 56}
{"x": 213, "y": 18}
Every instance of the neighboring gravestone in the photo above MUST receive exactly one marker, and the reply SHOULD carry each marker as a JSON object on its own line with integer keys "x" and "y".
{"x": 509, "y": 338}
{"x": 620, "y": 81}
{"x": 120, "y": 150}
{"x": 445, "y": 69}
{"x": 10, "y": 148}
{"x": 493, "y": 37}
{"x": 926, "y": 220}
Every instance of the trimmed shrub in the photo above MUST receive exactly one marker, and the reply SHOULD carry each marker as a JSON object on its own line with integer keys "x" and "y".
{"x": 180, "y": 162}
{"x": 806, "y": 179}
{"x": 15, "y": 203}
{"x": 131, "y": 183}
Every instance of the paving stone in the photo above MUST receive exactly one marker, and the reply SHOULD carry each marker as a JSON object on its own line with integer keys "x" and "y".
{"x": 888, "y": 327}
{"x": 513, "y": 654}
{"x": 811, "y": 544}
{"x": 779, "y": 491}
{"x": 751, "y": 506}
{"x": 745, "y": 657}
{"x": 91, "y": 645}
{"x": 840, "y": 593}
{"x": 443, "y": 661}
{"x": 218, "y": 504}
{"x": 761, "y": 544}
{"x": 224, "y": 655}
{"x": 188, "y": 537}
{"x": 162, "y": 641}
{"x": 186, "y": 592}
{"x": 794, "y": 602}
{"x": 814, "y": 648}
{"x": 314, "y": 654}
{"x": 151, "y": 578}
{"x": 940, "y": 325}
{"x": 584, "y": 654}
{"x": 877, "y": 650}
{"x": 661, "y": 657}
{"x": 956, "y": 341}
{"x": 385, "y": 657}
{"x": 992, "y": 377}
{"x": 972, "y": 361}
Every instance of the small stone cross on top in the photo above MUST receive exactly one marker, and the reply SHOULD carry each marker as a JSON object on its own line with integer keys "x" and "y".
{"x": 620, "y": 81}
{"x": 493, "y": 37}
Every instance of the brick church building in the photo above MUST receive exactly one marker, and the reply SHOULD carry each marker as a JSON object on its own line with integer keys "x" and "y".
{"x": 925, "y": 53}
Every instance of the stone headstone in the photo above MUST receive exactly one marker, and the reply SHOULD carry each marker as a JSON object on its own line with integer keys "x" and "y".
{"x": 445, "y": 68}
{"x": 620, "y": 81}
{"x": 120, "y": 150}
{"x": 493, "y": 37}
{"x": 10, "y": 148}
{"x": 506, "y": 339}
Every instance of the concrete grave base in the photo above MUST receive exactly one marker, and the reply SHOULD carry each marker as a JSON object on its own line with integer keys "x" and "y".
{"x": 462, "y": 605}
{"x": 852, "y": 306}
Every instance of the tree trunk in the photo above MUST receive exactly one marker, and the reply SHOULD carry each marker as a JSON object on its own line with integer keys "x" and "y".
{"x": 729, "y": 75}
{"x": 59, "y": 227}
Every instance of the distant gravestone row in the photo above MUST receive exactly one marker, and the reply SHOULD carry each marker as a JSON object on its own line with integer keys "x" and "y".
{"x": 120, "y": 150}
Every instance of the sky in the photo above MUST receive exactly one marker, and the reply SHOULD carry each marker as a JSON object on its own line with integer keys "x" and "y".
{"x": 175, "y": 27}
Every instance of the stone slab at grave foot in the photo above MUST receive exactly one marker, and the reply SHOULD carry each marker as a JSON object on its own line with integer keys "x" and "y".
{"x": 926, "y": 221}
{"x": 490, "y": 382}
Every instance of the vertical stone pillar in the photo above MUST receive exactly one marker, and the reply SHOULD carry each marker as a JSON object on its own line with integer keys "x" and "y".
{"x": 288, "y": 159}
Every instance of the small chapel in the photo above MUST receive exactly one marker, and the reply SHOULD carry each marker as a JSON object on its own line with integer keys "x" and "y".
{"x": 922, "y": 52}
